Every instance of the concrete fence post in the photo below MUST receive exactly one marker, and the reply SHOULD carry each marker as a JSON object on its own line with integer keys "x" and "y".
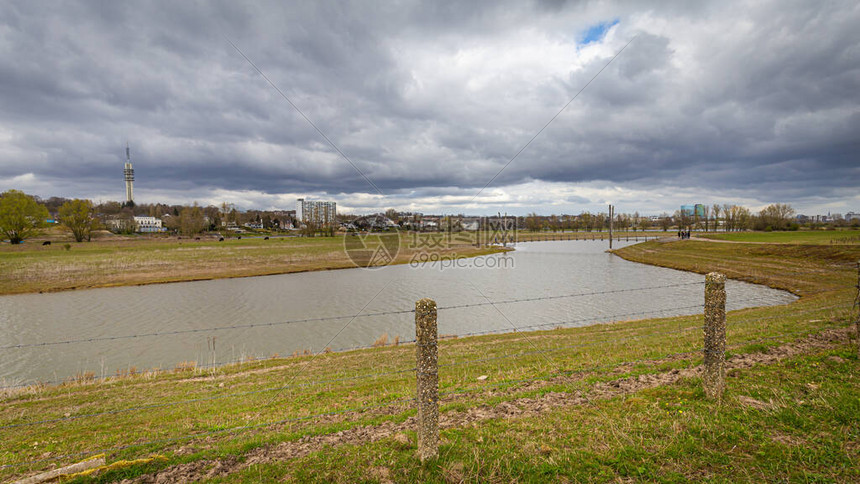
{"x": 714, "y": 372}
{"x": 428, "y": 379}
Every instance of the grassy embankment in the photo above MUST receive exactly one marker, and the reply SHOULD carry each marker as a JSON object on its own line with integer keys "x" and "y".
{"x": 592, "y": 409}
{"x": 803, "y": 237}
{"x": 106, "y": 262}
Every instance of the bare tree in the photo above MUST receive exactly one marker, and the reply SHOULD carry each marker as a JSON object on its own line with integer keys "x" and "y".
{"x": 716, "y": 209}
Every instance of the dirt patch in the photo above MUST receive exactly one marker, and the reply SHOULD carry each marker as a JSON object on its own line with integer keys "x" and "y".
{"x": 190, "y": 472}
{"x": 781, "y": 438}
{"x": 826, "y": 339}
{"x": 518, "y": 408}
{"x": 753, "y": 403}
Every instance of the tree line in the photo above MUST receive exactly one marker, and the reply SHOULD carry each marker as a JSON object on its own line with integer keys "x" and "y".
{"x": 716, "y": 217}
{"x": 23, "y": 216}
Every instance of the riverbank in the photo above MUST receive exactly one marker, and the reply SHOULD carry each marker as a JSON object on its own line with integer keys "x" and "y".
{"x": 129, "y": 261}
{"x": 800, "y": 237}
{"x": 616, "y": 401}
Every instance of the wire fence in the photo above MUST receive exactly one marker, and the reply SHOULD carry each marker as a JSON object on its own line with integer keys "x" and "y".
{"x": 618, "y": 340}
{"x": 363, "y": 408}
{"x": 331, "y": 318}
{"x": 667, "y": 312}
{"x": 613, "y": 339}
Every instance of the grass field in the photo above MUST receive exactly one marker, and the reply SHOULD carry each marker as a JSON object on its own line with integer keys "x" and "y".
{"x": 32, "y": 267}
{"x": 612, "y": 402}
{"x": 807, "y": 237}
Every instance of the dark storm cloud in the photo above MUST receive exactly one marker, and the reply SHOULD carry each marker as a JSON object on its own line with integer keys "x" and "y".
{"x": 430, "y": 100}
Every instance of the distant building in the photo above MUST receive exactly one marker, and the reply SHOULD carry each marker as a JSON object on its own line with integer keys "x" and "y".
{"x": 319, "y": 213}
{"x": 471, "y": 225}
{"x": 697, "y": 210}
{"x": 148, "y": 224}
{"x": 852, "y": 216}
{"x": 120, "y": 224}
{"x": 373, "y": 222}
{"x": 428, "y": 224}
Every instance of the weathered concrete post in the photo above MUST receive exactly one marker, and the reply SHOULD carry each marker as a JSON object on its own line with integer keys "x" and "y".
{"x": 428, "y": 379}
{"x": 714, "y": 373}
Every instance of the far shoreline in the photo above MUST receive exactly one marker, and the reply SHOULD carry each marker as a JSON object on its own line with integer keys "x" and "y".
{"x": 38, "y": 269}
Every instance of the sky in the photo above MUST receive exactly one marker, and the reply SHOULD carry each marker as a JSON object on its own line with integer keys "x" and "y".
{"x": 435, "y": 107}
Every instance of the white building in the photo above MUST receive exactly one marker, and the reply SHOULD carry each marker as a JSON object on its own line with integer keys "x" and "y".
{"x": 319, "y": 213}
{"x": 148, "y": 224}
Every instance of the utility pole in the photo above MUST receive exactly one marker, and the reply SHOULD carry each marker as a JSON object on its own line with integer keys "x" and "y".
{"x": 611, "y": 216}
{"x": 505, "y": 230}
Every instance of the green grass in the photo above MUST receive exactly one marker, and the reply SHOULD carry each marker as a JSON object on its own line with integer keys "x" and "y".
{"x": 668, "y": 434}
{"x": 826, "y": 237}
{"x": 807, "y": 429}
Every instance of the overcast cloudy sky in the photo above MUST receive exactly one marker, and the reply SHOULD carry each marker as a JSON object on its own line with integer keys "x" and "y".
{"x": 749, "y": 103}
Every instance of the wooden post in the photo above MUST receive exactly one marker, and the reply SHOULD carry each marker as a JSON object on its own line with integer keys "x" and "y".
{"x": 714, "y": 372}
{"x": 428, "y": 379}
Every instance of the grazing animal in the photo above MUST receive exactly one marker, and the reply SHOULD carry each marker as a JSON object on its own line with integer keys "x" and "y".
{"x": 265, "y": 238}
{"x": 47, "y": 242}
{"x": 196, "y": 238}
{"x": 239, "y": 237}
{"x": 221, "y": 239}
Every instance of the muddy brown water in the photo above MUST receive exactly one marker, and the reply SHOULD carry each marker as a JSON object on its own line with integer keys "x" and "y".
{"x": 202, "y": 312}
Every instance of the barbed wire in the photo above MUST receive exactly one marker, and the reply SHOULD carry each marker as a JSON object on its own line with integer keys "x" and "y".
{"x": 608, "y": 317}
{"x": 203, "y": 330}
{"x": 387, "y": 404}
{"x": 329, "y": 318}
{"x": 507, "y": 382}
{"x": 562, "y": 296}
{"x": 353, "y": 348}
{"x": 611, "y": 317}
{"x": 590, "y": 344}
{"x": 205, "y": 366}
{"x": 409, "y": 341}
{"x": 380, "y": 374}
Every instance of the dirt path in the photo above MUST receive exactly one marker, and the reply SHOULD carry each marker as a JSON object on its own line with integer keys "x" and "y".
{"x": 517, "y": 408}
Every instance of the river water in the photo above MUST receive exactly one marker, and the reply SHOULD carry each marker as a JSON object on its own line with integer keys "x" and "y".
{"x": 198, "y": 314}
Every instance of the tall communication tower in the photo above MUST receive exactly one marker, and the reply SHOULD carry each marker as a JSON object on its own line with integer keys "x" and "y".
{"x": 129, "y": 177}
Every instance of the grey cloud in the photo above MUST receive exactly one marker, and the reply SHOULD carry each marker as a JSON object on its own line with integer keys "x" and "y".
{"x": 760, "y": 98}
